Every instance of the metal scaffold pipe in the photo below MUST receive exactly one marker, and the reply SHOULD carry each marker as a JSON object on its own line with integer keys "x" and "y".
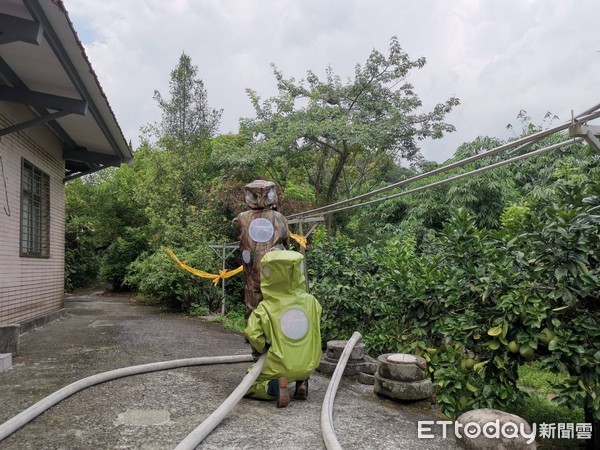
{"x": 586, "y": 116}
{"x": 462, "y": 175}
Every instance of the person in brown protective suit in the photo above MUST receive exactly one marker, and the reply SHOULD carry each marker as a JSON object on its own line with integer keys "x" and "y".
{"x": 261, "y": 229}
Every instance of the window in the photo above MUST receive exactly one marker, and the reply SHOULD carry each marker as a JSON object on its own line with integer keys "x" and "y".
{"x": 35, "y": 211}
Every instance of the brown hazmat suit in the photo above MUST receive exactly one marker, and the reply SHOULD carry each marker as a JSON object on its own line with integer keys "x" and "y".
{"x": 261, "y": 229}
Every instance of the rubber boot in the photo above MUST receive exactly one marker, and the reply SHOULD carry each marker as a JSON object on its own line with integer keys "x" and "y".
{"x": 278, "y": 389}
{"x": 301, "y": 392}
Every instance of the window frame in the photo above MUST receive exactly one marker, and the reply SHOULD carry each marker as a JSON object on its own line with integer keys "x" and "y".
{"x": 34, "y": 226}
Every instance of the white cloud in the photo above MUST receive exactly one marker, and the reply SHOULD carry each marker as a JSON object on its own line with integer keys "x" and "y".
{"x": 498, "y": 57}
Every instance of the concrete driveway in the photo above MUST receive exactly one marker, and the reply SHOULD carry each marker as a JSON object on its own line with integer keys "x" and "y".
{"x": 158, "y": 410}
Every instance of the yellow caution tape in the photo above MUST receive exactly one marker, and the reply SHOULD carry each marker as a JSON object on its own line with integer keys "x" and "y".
{"x": 301, "y": 240}
{"x": 200, "y": 273}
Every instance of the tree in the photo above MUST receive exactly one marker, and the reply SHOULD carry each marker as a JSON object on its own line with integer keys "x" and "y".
{"x": 478, "y": 302}
{"x": 186, "y": 116}
{"x": 175, "y": 167}
{"x": 334, "y": 130}
{"x": 101, "y": 211}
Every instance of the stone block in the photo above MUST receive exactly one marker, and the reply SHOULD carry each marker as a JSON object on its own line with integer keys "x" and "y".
{"x": 366, "y": 378}
{"x": 403, "y": 390}
{"x": 5, "y": 361}
{"x": 366, "y": 365}
{"x": 492, "y": 420}
{"x": 392, "y": 367}
{"x": 370, "y": 365}
{"x": 10, "y": 336}
{"x": 336, "y": 348}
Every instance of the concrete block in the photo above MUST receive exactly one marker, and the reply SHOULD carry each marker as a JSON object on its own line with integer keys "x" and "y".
{"x": 403, "y": 390}
{"x": 336, "y": 348}
{"x": 5, "y": 361}
{"x": 10, "y": 336}
{"x": 366, "y": 378}
{"x": 367, "y": 365}
{"x": 392, "y": 367}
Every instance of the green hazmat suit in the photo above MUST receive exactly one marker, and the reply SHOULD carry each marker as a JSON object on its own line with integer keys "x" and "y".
{"x": 288, "y": 318}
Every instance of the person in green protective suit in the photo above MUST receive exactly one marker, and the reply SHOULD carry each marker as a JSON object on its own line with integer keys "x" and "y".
{"x": 286, "y": 324}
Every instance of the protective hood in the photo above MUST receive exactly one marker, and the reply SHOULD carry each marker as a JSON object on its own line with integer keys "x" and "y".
{"x": 282, "y": 273}
{"x": 261, "y": 194}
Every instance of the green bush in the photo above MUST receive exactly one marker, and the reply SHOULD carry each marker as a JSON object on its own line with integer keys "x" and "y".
{"x": 341, "y": 276}
{"x": 81, "y": 261}
{"x": 157, "y": 276}
{"x": 197, "y": 310}
{"x": 120, "y": 254}
{"x": 477, "y": 303}
{"x": 235, "y": 318}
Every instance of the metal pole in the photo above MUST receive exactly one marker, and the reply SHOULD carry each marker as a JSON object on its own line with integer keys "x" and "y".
{"x": 223, "y": 286}
{"x": 525, "y": 140}
{"x": 462, "y": 175}
{"x": 304, "y": 254}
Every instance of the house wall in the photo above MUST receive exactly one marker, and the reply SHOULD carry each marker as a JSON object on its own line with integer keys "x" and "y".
{"x": 29, "y": 287}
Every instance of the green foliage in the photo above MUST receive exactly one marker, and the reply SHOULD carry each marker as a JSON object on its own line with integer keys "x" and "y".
{"x": 81, "y": 261}
{"x": 536, "y": 409}
{"x": 300, "y": 192}
{"x": 341, "y": 278}
{"x": 536, "y": 384}
{"x": 197, "y": 310}
{"x": 120, "y": 254}
{"x": 235, "y": 318}
{"x": 477, "y": 303}
{"x": 187, "y": 119}
{"x": 156, "y": 275}
{"x": 161, "y": 200}
{"x": 533, "y": 377}
{"x": 485, "y": 196}
{"x": 344, "y": 135}
{"x": 480, "y": 276}
{"x": 99, "y": 210}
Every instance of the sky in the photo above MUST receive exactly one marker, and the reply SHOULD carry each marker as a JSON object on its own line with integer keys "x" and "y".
{"x": 497, "y": 56}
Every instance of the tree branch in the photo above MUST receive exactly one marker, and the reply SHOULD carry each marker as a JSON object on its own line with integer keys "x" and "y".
{"x": 367, "y": 85}
{"x": 325, "y": 144}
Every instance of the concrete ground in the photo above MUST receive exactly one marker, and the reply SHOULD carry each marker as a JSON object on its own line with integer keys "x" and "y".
{"x": 158, "y": 410}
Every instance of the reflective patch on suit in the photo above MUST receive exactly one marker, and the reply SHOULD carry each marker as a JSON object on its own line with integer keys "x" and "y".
{"x": 294, "y": 323}
{"x": 246, "y": 256}
{"x": 266, "y": 271}
{"x": 261, "y": 230}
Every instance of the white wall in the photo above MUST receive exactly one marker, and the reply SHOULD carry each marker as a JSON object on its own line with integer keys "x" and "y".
{"x": 29, "y": 287}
